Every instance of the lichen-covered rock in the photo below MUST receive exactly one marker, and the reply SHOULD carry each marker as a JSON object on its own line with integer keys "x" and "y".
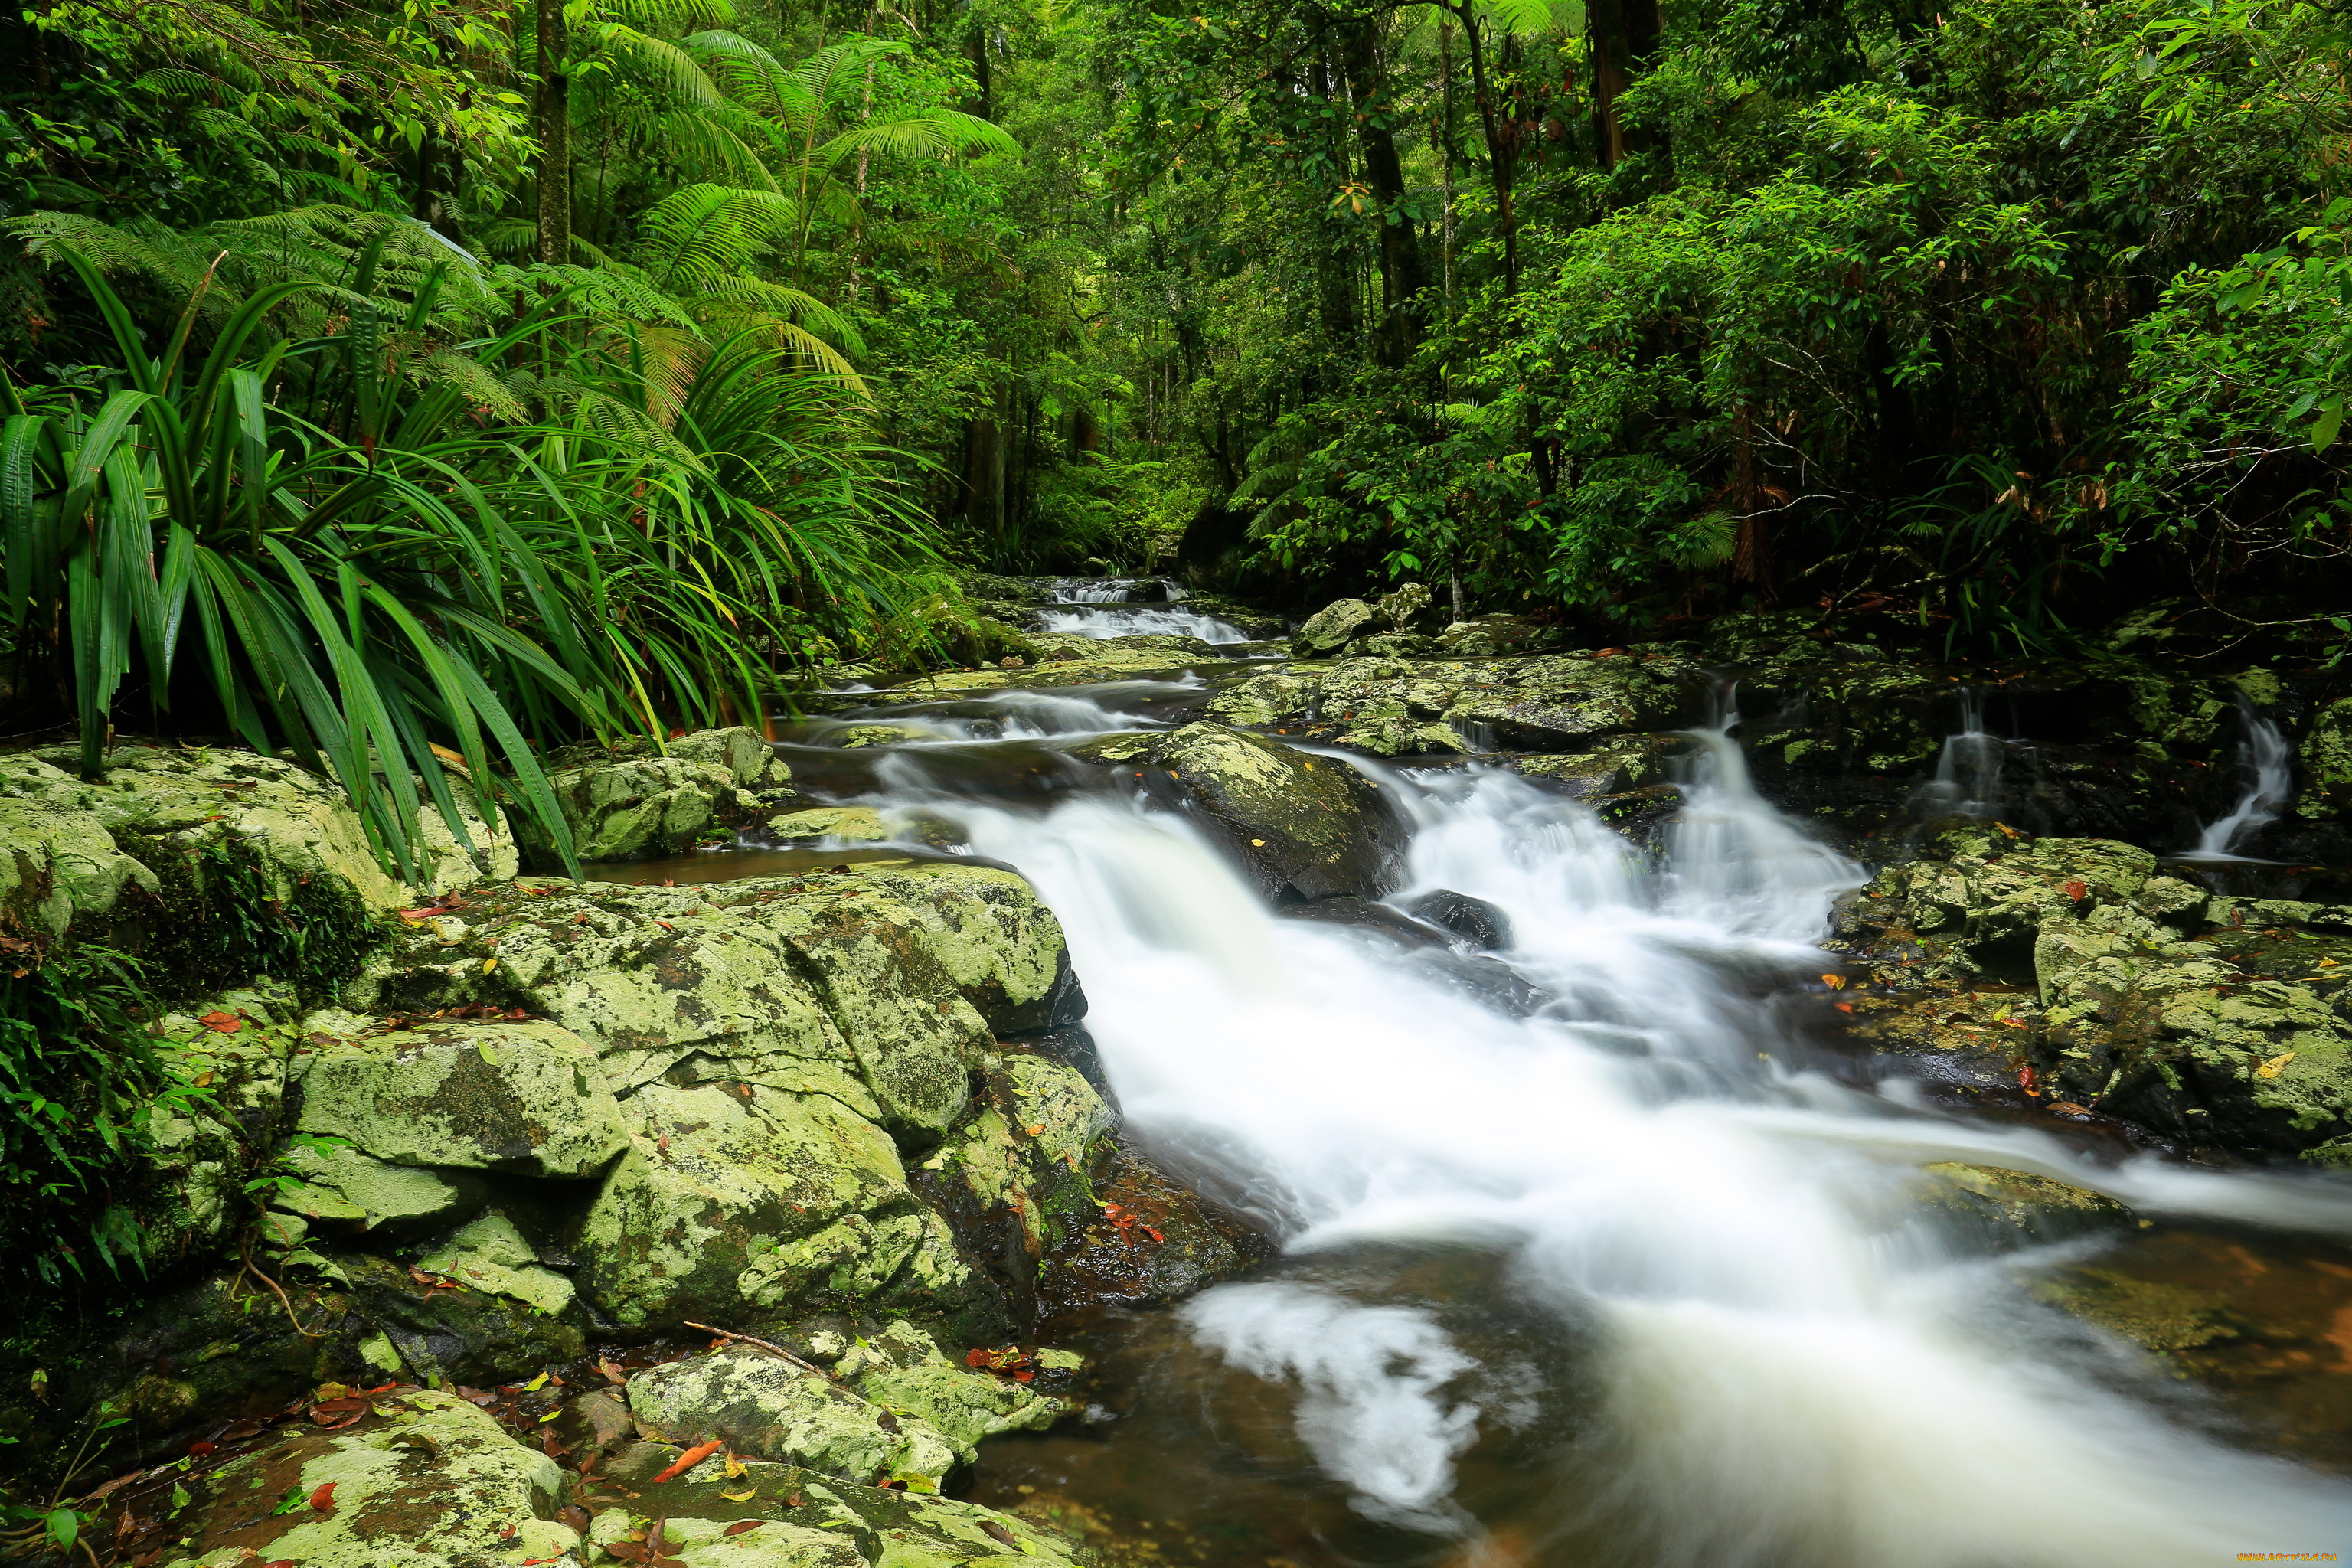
{"x": 489, "y": 1254}
{"x": 738, "y": 1201}
{"x": 903, "y": 1527}
{"x": 904, "y": 1372}
{"x": 455, "y": 1329}
{"x": 2168, "y": 1033}
{"x": 71, "y": 848}
{"x": 2000, "y": 890}
{"x": 761, "y": 1404}
{"x": 641, "y": 807}
{"x": 1154, "y": 1240}
{"x": 687, "y": 1543}
{"x": 425, "y": 1480}
{"x": 2326, "y": 757}
{"x": 1307, "y": 827}
{"x": 1329, "y": 629}
{"x": 527, "y": 1097}
{"x": 1495, "y": 636}
{"x": 342, "y": 1189}
{"x": 747, "y": 757}
{"x": 877, "y": 986}
{"x": 1563, "y": 701}
{"x": 843, "y": 824}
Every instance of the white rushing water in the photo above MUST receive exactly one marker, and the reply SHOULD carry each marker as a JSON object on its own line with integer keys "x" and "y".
{"x": 1792, "y": 1366}
{"x": 1139, "y": 619}
{"x": 2265, "y": 758}
{"x": 1022, "y": 714}
{"x": 1967, "y": 780}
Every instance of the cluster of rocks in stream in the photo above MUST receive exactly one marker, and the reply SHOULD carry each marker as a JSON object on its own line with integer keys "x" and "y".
{"x": 482, "y": 1131}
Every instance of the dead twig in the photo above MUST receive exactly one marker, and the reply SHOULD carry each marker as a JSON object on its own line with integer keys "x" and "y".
{"x": 765, "y": 1345}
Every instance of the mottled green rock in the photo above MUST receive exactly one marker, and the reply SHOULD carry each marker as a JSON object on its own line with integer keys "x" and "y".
{"x": 876, "y": 986}
{"x": 2002, "y": 896}
{"x": 902, "y": 1371}
{"x": 526, "y": 1097}
{"x": 639, "y": 806}
{"x": 342, "y": 1188}
{"x": 1309, "y": 828}
{"x": 860, "y": 735}
{"x": 2326, "y": 756}
{"x": 763, "y": 1406}
{"x": 744, "y": 754}
{"x": 437, "y": 1485}
{"x": 1329, "y": 629}
{"x": 1026, "y": 1149}
{"x": 705, "y": 1543}
{"x": 491, "y": 1254}
{"x": 847, "y": 823}
{"x": 747, "y": 1199}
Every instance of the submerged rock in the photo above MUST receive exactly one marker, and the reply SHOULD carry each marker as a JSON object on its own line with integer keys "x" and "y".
{"x": 1474, "y": 921}
{"x": 1307, "y": 827}
{"x": 2034, "y": 1206}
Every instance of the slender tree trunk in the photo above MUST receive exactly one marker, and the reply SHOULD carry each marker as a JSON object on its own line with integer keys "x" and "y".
{"x": 1399, "y": 257}
{"x": 1500, "y": 140}
{"x": 1623, "y": 37}
{"x": 1446, "y": 153}
{"x": 554, "y": 116}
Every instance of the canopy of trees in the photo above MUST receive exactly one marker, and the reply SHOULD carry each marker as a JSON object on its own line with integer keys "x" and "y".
{"x": 386, "y": 379}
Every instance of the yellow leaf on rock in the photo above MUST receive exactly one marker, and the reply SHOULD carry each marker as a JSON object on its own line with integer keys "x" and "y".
{"x": 488, "y": 964}
{"x": 741, "y": 1496}
{"x": 2275, "y": 1066}
{"x": 735, "y": 1466}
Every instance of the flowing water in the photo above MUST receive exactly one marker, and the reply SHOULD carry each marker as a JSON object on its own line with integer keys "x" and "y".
{"x": 1968, "y": 777}
{"x": 1623, "y": 1280}
{"x": 2265, "y": 758}
{"x": 1129, "y": 621}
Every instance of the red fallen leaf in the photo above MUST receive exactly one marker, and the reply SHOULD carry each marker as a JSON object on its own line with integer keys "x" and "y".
{"x": 476, "y": 1396}
{"x": 2077, "y": 891}
{"x": 425, "y": 911}
{"x": 279, "y": 1563}
{"x": 689, "y": 1459}
{"x": 2068, "y": 1108}
{"x": 1843, "y": 1006}
{"x": 222, "y": 1023}
{"x": 1023, "y": 1376}
{"x": 323, "y": 1499}
{"x": 202, "y": 1447}
{"x": 506, "y": 1532}
{"x": 743, "y": 1527}
{"x": 1153, "y": 1234}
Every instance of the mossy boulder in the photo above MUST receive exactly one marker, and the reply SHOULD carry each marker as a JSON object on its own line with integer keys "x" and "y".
{"x": 527, "y": 1097}
{"x": 1562, "y": 702}
{"x": 491, "y": 1255}
{"x": 2326, "y": 757}
{"x": 1307, "y": 827}
{"x": 841, "y": 824}
{"x": 424, "y": 1480}
{"x": 636, "y": 807}
{"x": 764, "y": 1406}
{"x": 1330, "y": 629}
{"x": 878, "y": 985}
{"x": 740, "y": 1203}
{"x": 903, "y": 1371}
{"x": 344, "y": 1191}
{"x": 173, "y": 853}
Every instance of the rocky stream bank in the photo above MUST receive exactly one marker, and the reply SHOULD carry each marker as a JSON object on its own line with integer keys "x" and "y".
{"x": 717, "y": 1223}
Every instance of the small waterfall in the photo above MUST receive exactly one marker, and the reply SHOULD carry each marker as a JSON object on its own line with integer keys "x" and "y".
{"x": 1126, "y": 623}
{"x": 1968, "y": 768}
{"x": 1786, "y": 1365}
{"x": 2264, "y": 757}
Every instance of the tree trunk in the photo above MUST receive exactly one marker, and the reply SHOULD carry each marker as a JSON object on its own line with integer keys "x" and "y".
{"x": 1401, "y": 276}
{"x": 1624, "y": 35}
{"x": 1501, "y": 141}
{"x": 554, "y": 112}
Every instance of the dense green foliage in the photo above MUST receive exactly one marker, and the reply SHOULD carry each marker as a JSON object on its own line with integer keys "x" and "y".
{"x": 339, "y": 422}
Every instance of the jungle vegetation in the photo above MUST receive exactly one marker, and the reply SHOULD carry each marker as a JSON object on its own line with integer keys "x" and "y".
{"x": 386, "y": 380}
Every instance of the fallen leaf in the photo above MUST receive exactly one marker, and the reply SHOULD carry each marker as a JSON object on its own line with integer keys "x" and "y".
{"x": 506, "y": 1532}
{"x": 2077, "y": 891}
{"x": 1257, "y": 843}
{"x": 536, "y": 1383}
{"x": 742, "y": 1526}
{"x": 1835, "y": 982}
{"x": 999, "y": 1533}
{"x": 222, "y": 1023}
{"x": 323, "y": 1499}
{"x": 736, "y": 1467}
{"x": 744, "y": 1496}
{"x": 1036, "y": 1131}
{"x": 2068, "y": 1108}
{"x": 488, "y": 964}
{"x": 2275, "y": 1066}
{"x": 1843, "y": 1006}
{"x": 687, "y": 1460}
{"x": 612, "y": 1370}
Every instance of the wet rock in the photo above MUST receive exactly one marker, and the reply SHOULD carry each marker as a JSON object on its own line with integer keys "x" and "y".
{"x": 844, "y": 824}
{"x": 1362, "y": 914}
{"x": 707, "y": 1543}
{"x": 761, "y": 1404}
{"x": 1014, "y": 1178}
{"x": 899, "y": 1528}
{"x": 1329, "y": 629}
{"x": 745, "y": 754}
{"x": 526, "y": 1097}
{"x": 2156, "y": 1315}
{"x": 464, "y": 1332}
{"x": 1495, "y": 636}
{"x": 1474, "y": 921}
{"x": 2016, "y": 1201}
{"x": 1307, "y": 827}
{"x": 861, "y": 735}
{"x": 738, "y": 1202}
{"x": 1155, "y": 1241}
{"x": 430, "y": 1482}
